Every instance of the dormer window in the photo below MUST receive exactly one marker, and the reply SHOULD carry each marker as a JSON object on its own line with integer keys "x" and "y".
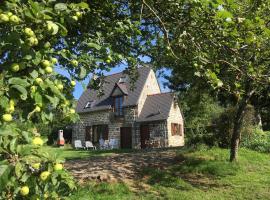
{"x": 118, "y": 105}
{"x": 123, "y": 79}
{"x": 89, "y": 104}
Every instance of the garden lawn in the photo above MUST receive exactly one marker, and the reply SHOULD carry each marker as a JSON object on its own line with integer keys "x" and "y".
{"x": 197, "y": 174}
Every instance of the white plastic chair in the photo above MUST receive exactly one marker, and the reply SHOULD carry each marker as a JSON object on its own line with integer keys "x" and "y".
{"x": 113, "y": 143}
{"x": 78, "y": 144}
{"x": 106, "y": 144}
{"x": 89, "y": 144}
{"x": 101, "y": 143}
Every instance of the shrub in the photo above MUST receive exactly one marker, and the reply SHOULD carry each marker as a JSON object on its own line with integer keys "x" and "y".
{"x": 259, "y": 141}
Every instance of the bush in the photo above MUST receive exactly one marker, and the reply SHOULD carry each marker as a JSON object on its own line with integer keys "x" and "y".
{"x": 223, "y": 126}
{"x": 259, "y": 141}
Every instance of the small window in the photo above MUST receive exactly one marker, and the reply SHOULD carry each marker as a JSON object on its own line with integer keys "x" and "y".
{"x": 123, "y": 79}
{"x": 176, "y": 129}
{"x": 89, "y": 104}
{"x": 118, "y": 105}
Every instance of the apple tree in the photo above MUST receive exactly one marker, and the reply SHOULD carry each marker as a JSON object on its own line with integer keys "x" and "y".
{"x": 39, "y": 39}
{"x": 222, "y": 45}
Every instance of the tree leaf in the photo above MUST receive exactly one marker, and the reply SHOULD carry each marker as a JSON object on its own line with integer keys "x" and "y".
{"x": 18, "y": 81}
{"x": 4, "y": 176}
{"x": 82, "y": 73}
{"x": 60, "y": 6}
{"x": 94, "y": 45}
{"x": 22, "y": 90}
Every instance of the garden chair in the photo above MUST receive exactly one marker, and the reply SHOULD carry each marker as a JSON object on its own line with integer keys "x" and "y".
{"x": 78, "y": 144}
{"x": 113, "y": 143}
{"x": 101, "y": 143}
{"x": 89, "y": 144}
{"x": 106, "y": 144}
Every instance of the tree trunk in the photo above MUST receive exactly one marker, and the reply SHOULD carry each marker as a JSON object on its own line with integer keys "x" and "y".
{"x": 238, "y": 121}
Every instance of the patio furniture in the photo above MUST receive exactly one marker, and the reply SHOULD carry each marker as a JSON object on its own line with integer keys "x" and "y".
{"x": 89, "y": 144}
{"x": 101, "y": 143}
{"x": 106, "y": 144}
{"x": 78, "y": 144}
{"x": 113, "y": 143}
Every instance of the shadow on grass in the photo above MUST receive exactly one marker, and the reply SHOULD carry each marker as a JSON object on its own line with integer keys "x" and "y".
{"x": 191, "y": 171}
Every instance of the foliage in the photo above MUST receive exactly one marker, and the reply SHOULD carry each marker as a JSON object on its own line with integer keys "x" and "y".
{"x": 23, "y": 162}
{"x": 258, "y": 141}
{"x": 38, "y": 40}
{"x": 222, "y": 45}
{"x": 223, "y": 126}
{"x": 199, "y": 110}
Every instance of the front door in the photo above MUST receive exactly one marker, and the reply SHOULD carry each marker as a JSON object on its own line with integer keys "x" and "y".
{"x": 88, "y": 133}
{"x": 145, "y": 135}
{"x": 126, "y": 137}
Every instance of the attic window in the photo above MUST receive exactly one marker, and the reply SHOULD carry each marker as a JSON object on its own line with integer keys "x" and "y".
{"x": 89, "y": 104}
{"x": 123, "y": 79}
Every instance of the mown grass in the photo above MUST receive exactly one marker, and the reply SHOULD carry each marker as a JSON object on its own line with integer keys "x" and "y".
{"x": 197, "y": 174}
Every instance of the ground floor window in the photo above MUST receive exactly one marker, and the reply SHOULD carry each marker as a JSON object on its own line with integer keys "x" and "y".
{"x": 176, "y": 129}
{"x": 100, "y": 131}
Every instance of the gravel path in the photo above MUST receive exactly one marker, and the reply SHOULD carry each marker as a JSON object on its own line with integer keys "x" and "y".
{"x": 122, "y": 167}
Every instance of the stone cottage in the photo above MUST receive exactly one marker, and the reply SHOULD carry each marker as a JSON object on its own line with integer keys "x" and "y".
{"x": 138, "y": 118}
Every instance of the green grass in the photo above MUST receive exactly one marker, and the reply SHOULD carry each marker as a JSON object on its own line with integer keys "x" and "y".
{"x": 198, "y": 174}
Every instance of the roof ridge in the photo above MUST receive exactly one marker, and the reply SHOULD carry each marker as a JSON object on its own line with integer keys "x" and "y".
{"x": 159, "y": 93}
{"x": 124, "y": 70}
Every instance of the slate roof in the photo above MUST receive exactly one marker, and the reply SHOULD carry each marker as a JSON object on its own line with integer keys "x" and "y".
{"x": 156, "y": 107}
{"x": 105, "y": 101}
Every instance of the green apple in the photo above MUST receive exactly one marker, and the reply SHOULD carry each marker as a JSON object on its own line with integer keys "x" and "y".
{"x": 9, "y": 14}
{"x": 49, "y": 27}
{"x": 7, "y": 117}
{"x": 58, "y": 167}
{"x": 54, "y": 60}
{"x": 11, "y": 102}
{"x": 75, "y": 18}
{"x": 44, "y": 175}
{"x": 72, "y": 111}
{"x": 39, "y": 80}
{"x": 45, "y": 63}
{"x": 24, "y": 191}
{"x": 78, "y": 14}
{"x": 10, "y": 109}
{"x": 36, "y": 165}
{"x": 37, "y": 109}
{"x": 33, "y": 89}
{"x": 74, "y": 63}
{"x": 31, "y": 41}
{"x": 4, "y": 18}
{"x": 29, "y": 32}
{"x": 35, "y": 41}
{"x": 108, "y": 61}
{"x": 15, "y": 67}
{"x": 47, "y": 45}
{"x": 14, "y": 19}
{"x": 60, "y": 86}
{"x": 48, "y": 70}
{"x": 37, "y": 141}
{"x": 73, "y": 83}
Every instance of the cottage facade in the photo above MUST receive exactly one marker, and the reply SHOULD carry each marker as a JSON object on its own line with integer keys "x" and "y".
{"x": 136, "y": 118}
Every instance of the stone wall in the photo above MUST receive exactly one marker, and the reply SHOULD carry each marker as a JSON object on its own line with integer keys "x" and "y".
{"x": 157, "y": 129}
{"x": 175, "y": 116}
{"x": 105, "y": 117}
